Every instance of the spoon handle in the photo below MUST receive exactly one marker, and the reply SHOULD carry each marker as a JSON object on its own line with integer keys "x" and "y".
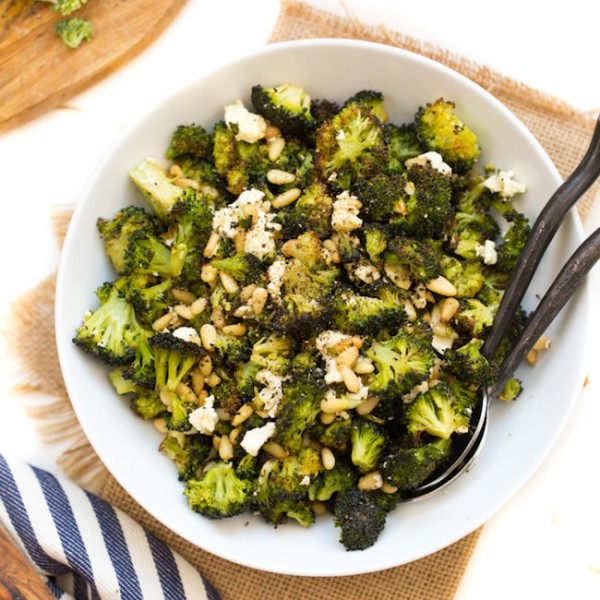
{"x": 541, "y": 235}
{"x": 561, "y": 290}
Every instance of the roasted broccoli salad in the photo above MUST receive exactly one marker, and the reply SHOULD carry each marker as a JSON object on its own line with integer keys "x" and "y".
{"x": 300, "y": 300}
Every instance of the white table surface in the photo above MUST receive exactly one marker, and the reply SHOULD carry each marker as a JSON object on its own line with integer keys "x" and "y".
{"x": 546, "y": 542}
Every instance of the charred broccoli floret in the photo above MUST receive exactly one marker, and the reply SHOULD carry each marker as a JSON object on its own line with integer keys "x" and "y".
{"x": 409, "y": 467}
{"x": 440, "y": 129}
{"x": 273, "y": 352}
{"x": 367, "y": 441}
{"x": 513, "y": 240}
{"x": 473, "y": 317}
{"x": 467, "y": 276}
{"x": 468, "y": 364}
{"x": 174, "y": 358}
{"x": 147, "y": 404}
{"x": 360, "y": 518}
{"x": 244, "y": 267}
{"x": 146, "y": 253}
{"x": 189, "y": 452}
{"x": 219, "y": 492}
{"x": 365, "y": 315}
{"x": 329, "y": 482}
{"x": 403, "y": 144}
{"x": 421, "y": 257}
{"x": 148, "y": 295}
{"x": 286, "y": 105}
{"x": 371, "y": 99}
{"x": 190, "y": 140}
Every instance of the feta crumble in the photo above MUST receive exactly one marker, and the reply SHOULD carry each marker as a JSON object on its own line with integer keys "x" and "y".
{"x": 344, "y": 216}
{"x": 251, "y": 127}
{"x": 254, "y": 439}
{"x": 205, "y": 418}
{"x": 487, "y": 252}
{"x": 272, "y": 393}
{"x": 503, "y": 183}
{"x": 434, "y": 159}
{"x": 187, "y": 334}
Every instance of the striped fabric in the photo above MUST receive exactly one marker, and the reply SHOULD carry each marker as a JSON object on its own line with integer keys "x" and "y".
{"x": 85, "y": 548}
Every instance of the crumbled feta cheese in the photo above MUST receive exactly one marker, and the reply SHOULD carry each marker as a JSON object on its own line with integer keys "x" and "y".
{"x": 329, "y": 344}
{"x": 344, "y": 216}
{"x": 367, "y": 273}
{"x": 275, "y": 275}
{"x": 305, "y": 480}
{"x": 434, "y": 159}
{"x": 260, "y": 239}
{"x": 187, "y": 334}
{"x": 503, "y": 183}
{"x": 251, "y": 127}
{"x": 272, "y": 393}
{"x": 254, "y": 439}
{"x": 205, "y": 418}
{"x": 421, "y": 388}
{"x": 354, "y": 398}
{"x": 441, "y": 343}
{"x": 225, "y": 221}
{"x": 419, "y": 296}
{"x": 487, "y": 252}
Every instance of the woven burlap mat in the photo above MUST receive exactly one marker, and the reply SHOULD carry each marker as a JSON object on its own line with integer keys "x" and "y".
{"x": 562, "y": 130}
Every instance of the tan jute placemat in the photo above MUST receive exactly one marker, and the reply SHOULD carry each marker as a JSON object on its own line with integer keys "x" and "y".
{"x": 563, "y": 131}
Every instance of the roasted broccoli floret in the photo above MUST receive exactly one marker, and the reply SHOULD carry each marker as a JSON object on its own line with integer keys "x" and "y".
{"x": 219, "y": 492}
{"x": 336, "y": 435}
{"x": 273, "y": 352}
{"x": 147, "y": 405}
{"x": 403, "y": 144}
{"x": 401, "y": 362}
{"x": 437, "y": 412}
{"x": 360, "y": 518}
{"x": 146, "y": 253}
{"x": 372, "y": 99}
{"x": 111, "y": 332}
{"x": 115, "y": 232}
{"x": 512, "y": 390}
{"x": 148, "y": 295}
{"x": 350, "y": 146}
{"x": 513, "y": 240}
{"x": 173, "y": 358}
{"x": 234, "y": 349}
{"x": 467, "y": 276}
{"x": 189, "y": 452}
{"x": 66, "y": 7}
{"x": 473, "y": 317}
{"x": 440, "y": 129}
{"x": 421, "y": 256}
{"x": 286, "y": 105}
{"x": 383, "y": 196}
{"x": 367, "y": 441}
{"x": 74, "y": 30}
{"x": 409, "y": 467}
{"x": 468, "y": 364}
{"x": 190, "y": 140}
{"x": 329, "y": 482}
{"x": 156, "y": 186}
{"x": 244, "y": 267}
{"x": 365, "y": 315}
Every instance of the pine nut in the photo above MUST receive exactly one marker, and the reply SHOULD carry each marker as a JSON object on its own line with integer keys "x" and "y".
{"x": 184, "y": 311}
{"x": 327, "y": 458}
{"x": 448, "y": 308}
{"x": 175, "y": 171}
{"x": 363, "y": 366}
{"x": 211, "y": 245}
{"x": 185, "y": 392}
{"x": 334, "y": 405}
{"x": 208, "y": 335}
{"x": 234, "y": 434}
{"x": 279, "y": 177}
{"x": 388, "y": 488}
{"x": 183, "y": 296}
{"x": 185, "y": 182}
{"x": 208, "y": 274}
{"x": 212, "y": 380}
{"x": 532, "y": 357}
{"x": 368, "y": 406}
{"x": 440, "y": 285}
{"x": 275, "y": 450}
{"x": 245, "y": 412}
{"x": 198, "y": 306}
{"x": 543, "y": 343}
{"x": 398, "y": 275}
{"x": 319, "y": 508}
{"x": 276, "y": 146}
{"x": 237, "y": 329}
{"x": 160, "y": 425}
{"x": 326, "y": 418}
{"x": 205, "y": 366}
{"x": 225, "y": 448}
{"x": 165, "y": 321}
{"x": 247, "y": 291}
{"x": 239, "y": 240}
{"x": 216, "y": 442}
{"x": 351, "y": 380}
{"x": 166, "y": 397}
{"x": 272, "y": 131}
{"x": 230, "y": 285}
{"x": 223, "y": 414}
{"x": 409, "y": 310}
{"x": 286, "y": 198}
{"x": 370, "y": 481}
{"x": 197, "y": 381}
{"x": 259, "y": 299}
{"x": 347, "y": 357}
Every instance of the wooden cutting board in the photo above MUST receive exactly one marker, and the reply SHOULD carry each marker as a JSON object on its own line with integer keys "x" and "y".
{"x": 38, "y": 72}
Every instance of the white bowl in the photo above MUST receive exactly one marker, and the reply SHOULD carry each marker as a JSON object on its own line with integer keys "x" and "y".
{"x": 520, "y": 433}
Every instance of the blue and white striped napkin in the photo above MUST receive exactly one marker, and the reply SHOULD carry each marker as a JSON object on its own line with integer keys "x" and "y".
{"x": 83, "y": 547}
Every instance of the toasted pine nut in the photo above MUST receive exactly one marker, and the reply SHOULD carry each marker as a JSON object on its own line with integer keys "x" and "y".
{"x": 543, "y": 343}
{"x": 216, "y": 442}
{"x": 197, "y": 381}
{"x": 160, "y": 424}
{"x": 363, "y": 366}
{"x": 229, "y": 283}
{"x": 239, "y": 240}
{"x": 366, "y": 407}
{"x": 279, "y": 177}
{"x": 410, "y": 310}
{"x": 286, "y": 198}
{"x": 272, "y": 131}
{"x": 184, "y": 311}
{"x": 163, "y": 322}
{"x": 319, "y": 508}
{"x": 351, "y": 380}
{"x": 247, "y": 291}
{"x": 234, "y": 434}
{"x": 276, "y": 146}
{"x": 225, "y": 448}
{"x": 175, "y": 171}
{"x": 198, "y": 305}
{"x": 166, "y": 397}
{"x": 205, "y": 366}
{"x": 334, "y": 405}
{"x": 327, "y": 458}
{"x": 532, "y": 357}
{"x": 440, "y": 285}
{"x": 217, "y": 317}
{"x": 370, "y": 481}
{"x": 185, "y": 182}
{"x": 326, "y": 418}
{"x": 448, "y": 308}
{"x": 237, "y": 329}
{"x": 185, "y": 391}
{"x": 347, "y": 357}
{"x": 274, "y": 449}
{"x": 244, "y": 412}
{"x": 388, "y": 488}
{"x": 213, "y": 379}
{"x": 211, "y": 245}
{"x": 259, "y": 299}
{"x": 208, "y": 335}
{"x": 208, "y": 274}
{"x": 183, "y": 296}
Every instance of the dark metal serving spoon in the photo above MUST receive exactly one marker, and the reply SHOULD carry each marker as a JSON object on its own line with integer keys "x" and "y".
{"x": 559, "y": 292}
